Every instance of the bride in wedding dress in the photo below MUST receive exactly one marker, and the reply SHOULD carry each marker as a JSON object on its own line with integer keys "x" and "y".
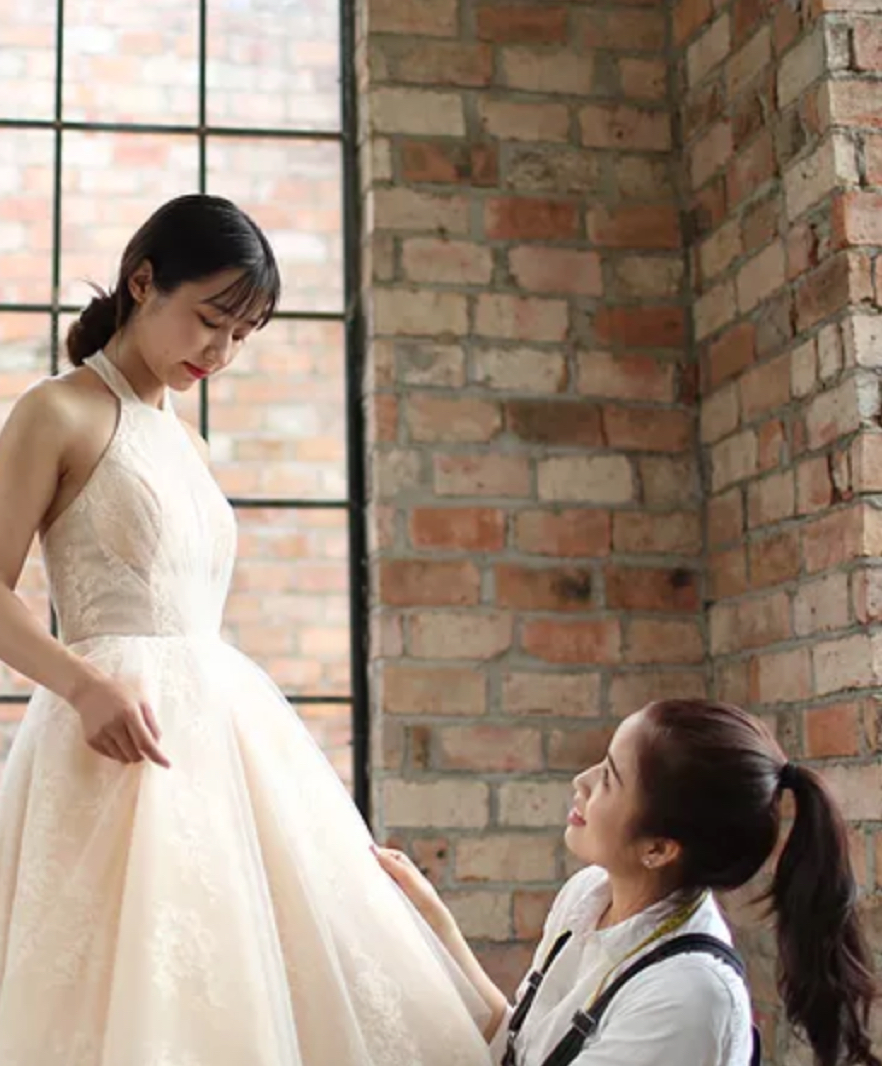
{"x": 183, "y": 879}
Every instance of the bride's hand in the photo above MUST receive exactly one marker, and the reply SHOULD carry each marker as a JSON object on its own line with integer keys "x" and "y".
{"x": 418, "y": 889}
{"x": 118, "y": 722}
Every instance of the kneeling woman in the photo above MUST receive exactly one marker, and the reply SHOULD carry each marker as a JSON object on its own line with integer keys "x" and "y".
{"x": 687, "y": 802}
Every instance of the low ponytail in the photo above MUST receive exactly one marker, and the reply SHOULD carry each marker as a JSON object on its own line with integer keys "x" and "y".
{"x": 825, "y": 974}
{"x": 104, "y": 315}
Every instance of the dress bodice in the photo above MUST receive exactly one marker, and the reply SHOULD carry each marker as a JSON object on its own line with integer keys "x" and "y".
{"x": 147, "y": 547}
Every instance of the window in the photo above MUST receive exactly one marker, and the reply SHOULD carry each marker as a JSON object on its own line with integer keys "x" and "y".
{"x": 107, "y": 109}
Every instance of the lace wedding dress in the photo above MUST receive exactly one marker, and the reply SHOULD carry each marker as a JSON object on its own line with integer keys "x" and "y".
{"x": 225, "y": 912}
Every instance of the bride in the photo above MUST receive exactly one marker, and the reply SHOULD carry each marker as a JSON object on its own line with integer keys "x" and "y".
{"x": 183, "y": 879}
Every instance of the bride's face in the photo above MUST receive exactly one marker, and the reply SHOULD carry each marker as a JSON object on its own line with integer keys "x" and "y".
{"x": 186, "y": 335}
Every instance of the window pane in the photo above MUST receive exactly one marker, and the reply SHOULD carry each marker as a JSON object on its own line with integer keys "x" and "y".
{"x": 27, "y": 59}
{"x": 24, "y": 359}
{"x": 292, "y": 189}
{"x": 273, "y": 63}
{"x": 131, "y": 61}
{"x": 277, "y": 415}
{"x": 289, "y": 603}
{"x": 331, "y": 727}
{"x": 111, "y": 182}
{"x": 26, "y": 174}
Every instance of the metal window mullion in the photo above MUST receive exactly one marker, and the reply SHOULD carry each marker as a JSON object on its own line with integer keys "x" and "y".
{"x": 174, "y": 129}
{"x": 351, "y": 204}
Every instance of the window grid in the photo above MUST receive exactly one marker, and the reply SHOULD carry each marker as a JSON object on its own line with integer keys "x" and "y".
{"x": 354, "y": 504}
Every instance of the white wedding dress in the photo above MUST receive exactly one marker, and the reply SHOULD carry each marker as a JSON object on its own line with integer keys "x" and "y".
{"x": 225, "y": 912}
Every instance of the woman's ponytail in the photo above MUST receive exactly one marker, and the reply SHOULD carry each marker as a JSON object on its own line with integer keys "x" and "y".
{"x": 825, "y": 975}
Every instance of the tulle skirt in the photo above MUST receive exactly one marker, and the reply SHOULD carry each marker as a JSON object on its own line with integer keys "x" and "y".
{"x": 225, "y": 912}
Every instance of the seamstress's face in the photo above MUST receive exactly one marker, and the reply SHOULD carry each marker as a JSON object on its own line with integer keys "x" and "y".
{"x": 600, "y": 825}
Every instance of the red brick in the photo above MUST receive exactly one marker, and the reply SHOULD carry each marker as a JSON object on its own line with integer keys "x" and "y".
{"x": 441, "y": 63}
{"x": 841, "y": 537}
{"x": 641, "y": 226}
{"x": 781, "y": 677}
{"x": 426, "y": 259}
{"x": 630, "y": 588}
{"x": 407, "y": 583}
{"x": 641, "y": 327}
{"x": 527, "y": 588}
{"x": 725, "y": 517}
{"x": 629, "y": 31}
{"x": 568, "y": 422}
{"x": 573, "y": 642}
{"x": 489, "y": 749}
{"x": 506, "y": 964}
{"x": 709, "y": 207}
{"x": 663, "y": 642}
{"x": 644, "y": 79}
{"x": 516, "y": 218}
{"x": 715, "y": 309}
{"x": 482, "y": 475}
{"x": 774, "y": 559}
{"x": 746, "y": 16}
{"x": 480, "y": 529}
{"x": 530, "y": 911}
{"x": 731, "y": 353}
{"x": 546, "y": 71}
{"x": 751, "y": 170}
{"x": 514, "y": 121}
{"x": 383, "y": 424}
{"x": 647, "y": 429}
{"x": 445, "y": 418}
{"x": 764, "y": 621}
{"x": 856, "y": 103}
{"x": 873, "y": 159}
{"x": 626, "y": 377}
{"x": 772, "y": 499}
{"x": 803, "y": 249}
{"x": 814, "y": 488}
{"x": 510, "y": 24}
{"x": 690, "y": 15}
{"x": 463, "y": 634}
{"x": 703, "y": 106}
{"x": 751, "y": 108}
{"x": 765, "y": 387}
{"x": 418, "y": 690}
{"x": 839, "y": 281}
{"x": 787, "y": 26}
{"x": 552, "y": 694}
{"x": 556, "y": 270}
{"x": 428, "y": 17}
{"x": 856, "y": 218}
{"x": 445, "y": 163}
{"x": 563, "y": 533}
{"x": 867, "y": 594}
{"x": 760, "y": 222}
{"x": 677, "y": 533}
{"x": 771, "y": 444}
{"x": 620, "y": 126}
{"x": 521, "y": 318}
{"x": 711, "y": 152}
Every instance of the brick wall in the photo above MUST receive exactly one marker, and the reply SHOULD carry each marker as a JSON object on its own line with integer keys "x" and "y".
{"x": 779, "y": 106}
{"x": 536, "y": 519}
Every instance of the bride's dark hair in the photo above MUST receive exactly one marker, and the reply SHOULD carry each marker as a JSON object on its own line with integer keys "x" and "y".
{"x": 187, "y": 239}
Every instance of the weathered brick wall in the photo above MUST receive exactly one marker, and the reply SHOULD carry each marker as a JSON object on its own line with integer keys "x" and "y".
{"x": 536, "y": 522}
{"x": 779, "y": 106}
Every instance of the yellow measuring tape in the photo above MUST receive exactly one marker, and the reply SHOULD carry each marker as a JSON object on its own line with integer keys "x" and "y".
{"x": 678, "y": 919}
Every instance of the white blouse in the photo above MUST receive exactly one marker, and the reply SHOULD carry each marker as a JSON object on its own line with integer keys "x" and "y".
{"x": 692, "y": 1009}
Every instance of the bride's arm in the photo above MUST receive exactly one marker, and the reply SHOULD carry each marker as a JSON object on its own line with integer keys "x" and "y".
{"x": 421, "y": 893}
{"x": 32, "y": 444}
{"x": 117, "y": 721}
